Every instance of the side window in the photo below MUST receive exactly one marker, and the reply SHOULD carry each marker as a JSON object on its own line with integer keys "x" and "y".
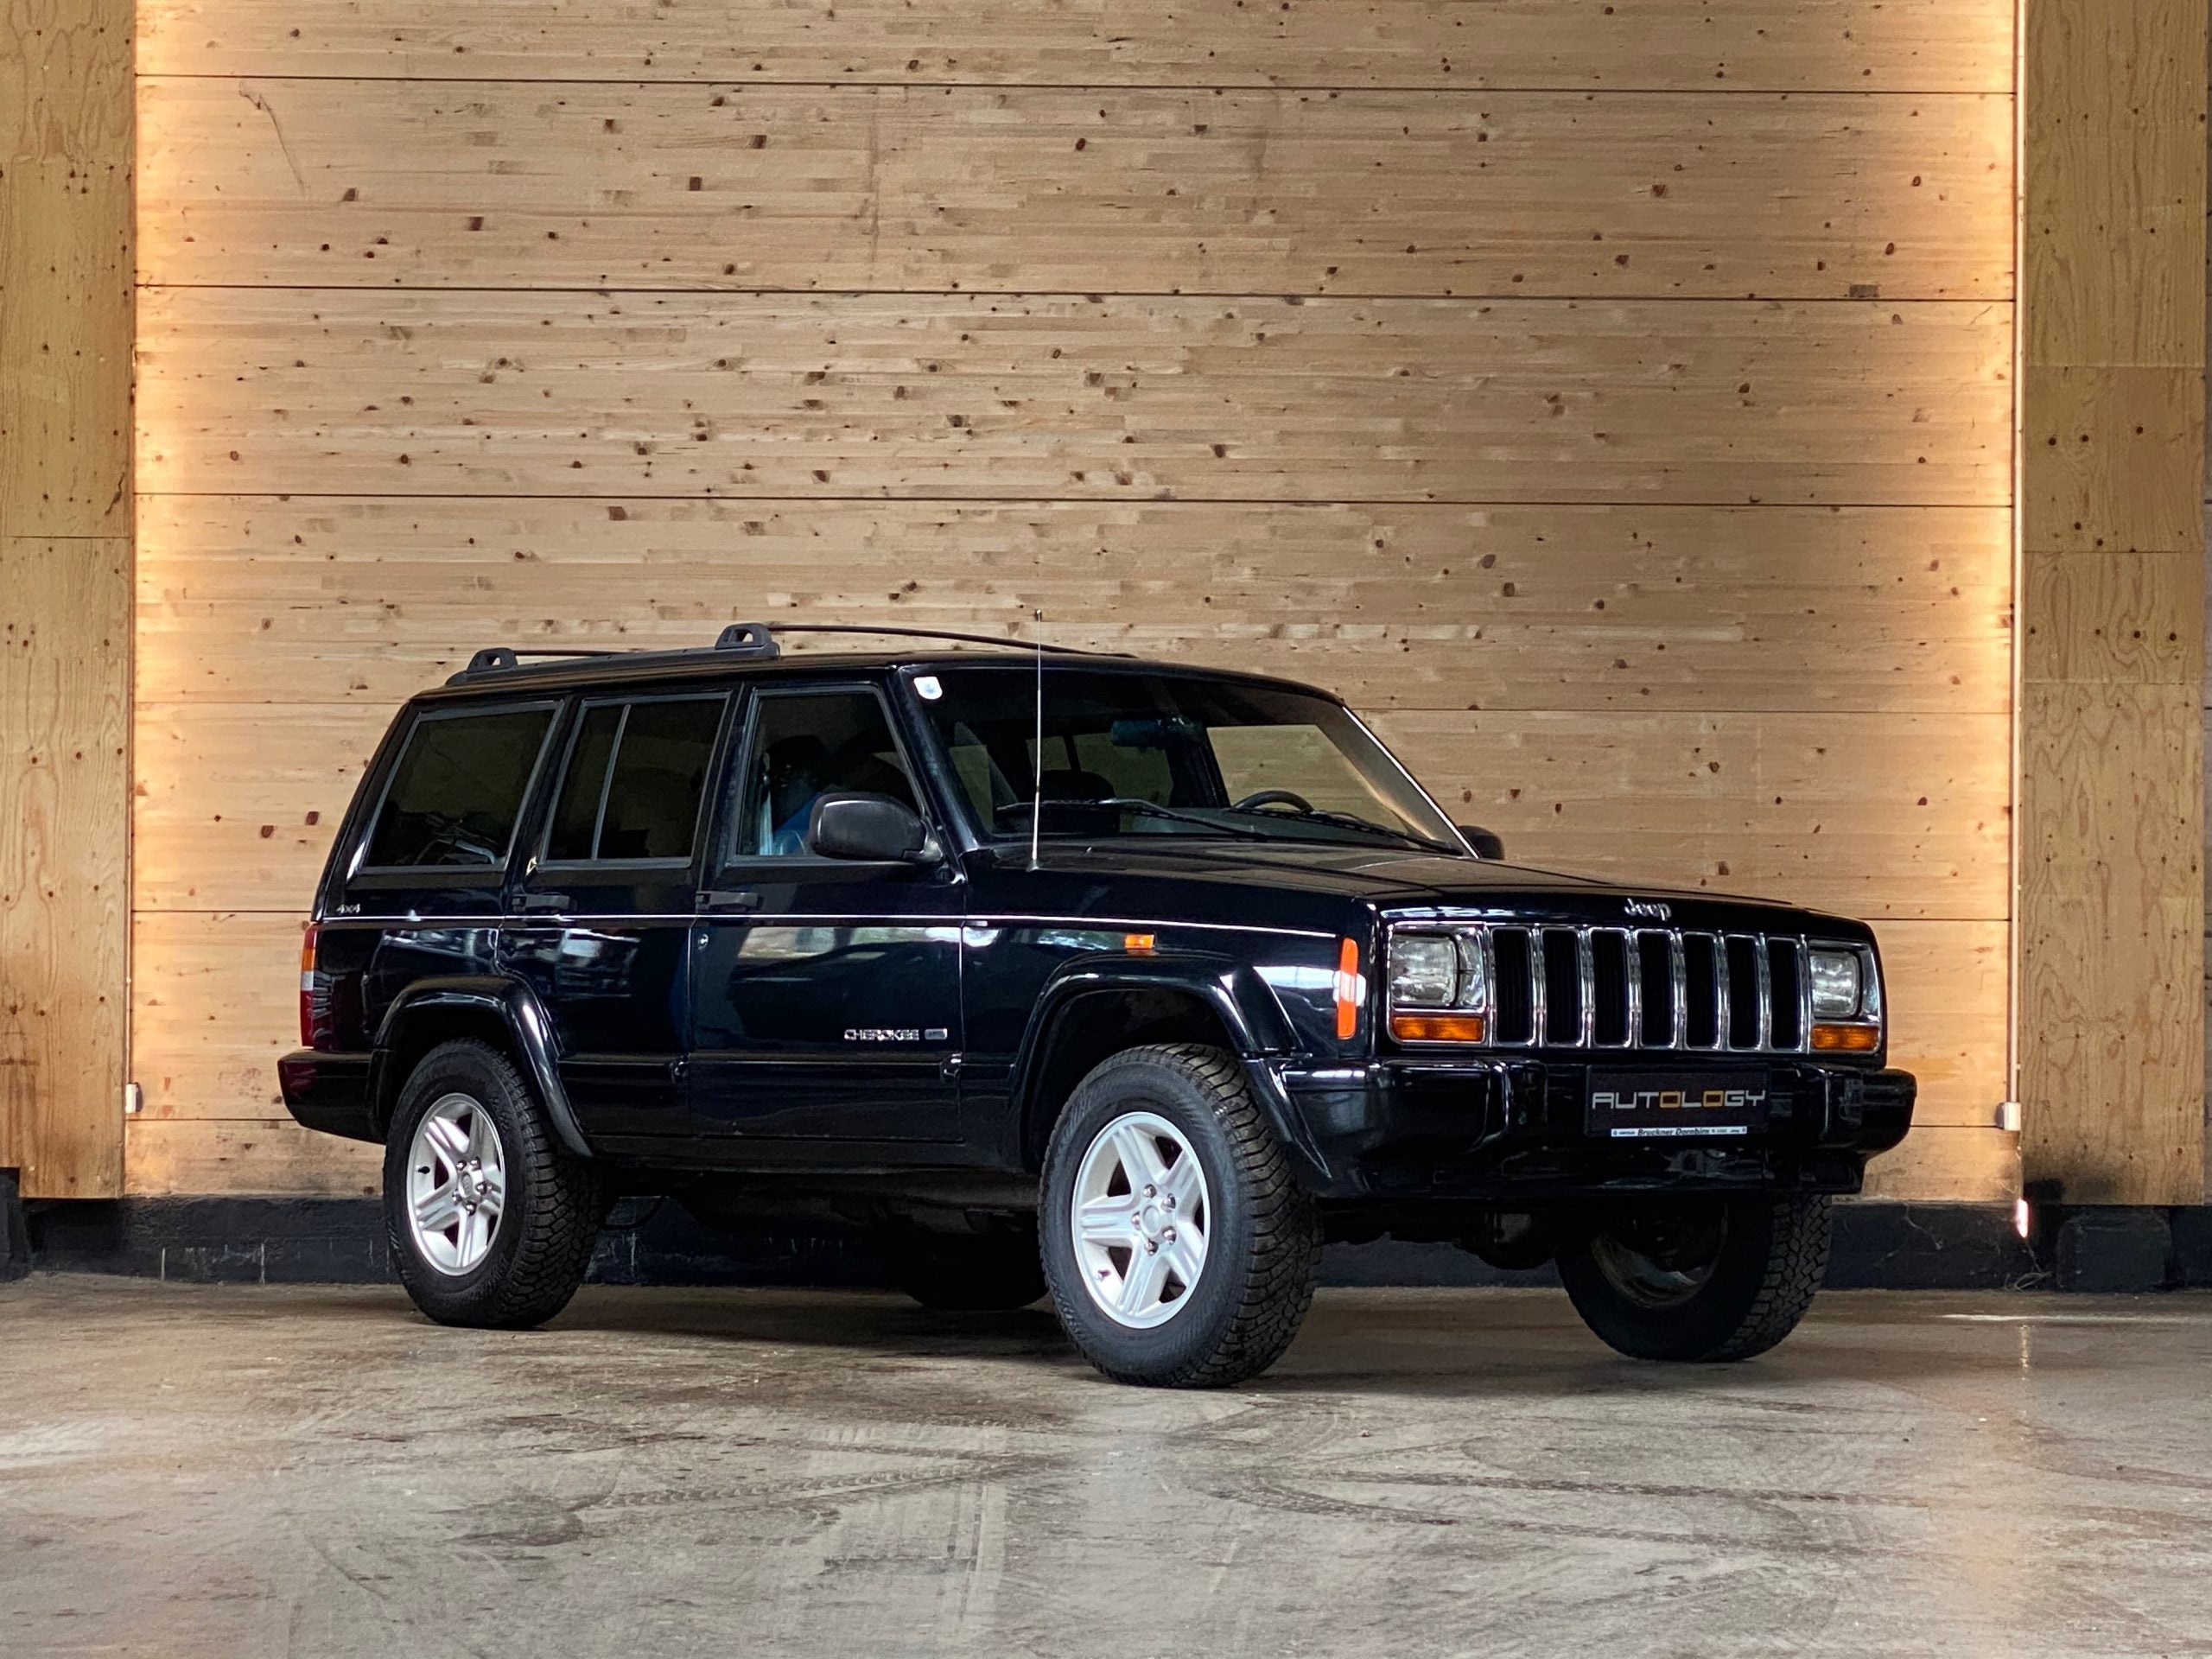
{"x": 805, "y": 745}
{"x": 574, "y": 830}
{"x": 458, "y": 788}
{"x": 636, "y": 772}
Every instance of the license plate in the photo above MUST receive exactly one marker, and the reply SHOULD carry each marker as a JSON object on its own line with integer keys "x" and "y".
{"x": 1676, "y": 1105}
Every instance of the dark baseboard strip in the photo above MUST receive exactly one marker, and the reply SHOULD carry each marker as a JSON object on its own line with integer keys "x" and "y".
{"x": 340, "y": 1241}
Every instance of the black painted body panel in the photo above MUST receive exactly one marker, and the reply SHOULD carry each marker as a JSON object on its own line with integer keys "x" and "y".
{"x": 828, "y": 1009}
{"x": 828, "y": 1020}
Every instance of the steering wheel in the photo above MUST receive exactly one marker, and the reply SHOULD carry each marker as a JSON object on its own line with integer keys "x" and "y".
{"x": 1260, "y": 797}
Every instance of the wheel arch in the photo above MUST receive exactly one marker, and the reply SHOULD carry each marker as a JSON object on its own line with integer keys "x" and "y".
{"x": 502, "y": 1012}
{"x": 1098, "y": 1009}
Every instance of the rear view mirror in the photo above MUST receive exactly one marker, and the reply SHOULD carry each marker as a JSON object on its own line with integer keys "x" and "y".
{"x": 873, "y": 829}
{"x": 1486, "y": 842}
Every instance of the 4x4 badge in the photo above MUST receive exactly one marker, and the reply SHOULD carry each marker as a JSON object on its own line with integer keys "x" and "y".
{"x": 1649, "y": 909}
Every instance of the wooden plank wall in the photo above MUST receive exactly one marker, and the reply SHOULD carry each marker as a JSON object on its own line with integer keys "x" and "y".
{"x": 1616, "y": 399}
{"x": 2112, "y": 670}
{"x": 65, "y": 295}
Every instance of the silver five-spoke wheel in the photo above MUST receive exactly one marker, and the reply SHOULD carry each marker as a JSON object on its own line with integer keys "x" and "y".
{"x": 1139, "y": 1217}
{"x": 456, "y": 1184}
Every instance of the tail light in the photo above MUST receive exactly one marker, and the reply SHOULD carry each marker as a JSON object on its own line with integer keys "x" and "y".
{"x": 308, "y": 943}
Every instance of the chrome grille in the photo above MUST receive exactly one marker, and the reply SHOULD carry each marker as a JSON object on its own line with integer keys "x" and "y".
{"x": 1646, "y": 988}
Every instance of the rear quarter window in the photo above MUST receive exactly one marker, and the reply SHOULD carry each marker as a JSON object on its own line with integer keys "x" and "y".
{"x": 458, "y": 789}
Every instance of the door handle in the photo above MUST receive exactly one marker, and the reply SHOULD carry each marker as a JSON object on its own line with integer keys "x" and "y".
{"x": 731, "y": 899}
{"x": 547, "y": 900}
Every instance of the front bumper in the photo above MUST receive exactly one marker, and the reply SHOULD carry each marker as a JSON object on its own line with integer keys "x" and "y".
{"x": 1508, "y": 1128}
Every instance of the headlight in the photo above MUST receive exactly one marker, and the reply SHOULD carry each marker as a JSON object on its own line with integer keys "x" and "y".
{"x": 1424, "y": 970}
{"x": 1839, "y": 985}
{"x": 1438, "y": 970}
{"x": 1439, "y": 991}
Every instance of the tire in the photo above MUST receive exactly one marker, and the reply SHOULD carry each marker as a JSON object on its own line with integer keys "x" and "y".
{"x": 551, "y": 1203}
{"x": 1720, "y": 1279}
{"x": 1257, "y": 1250}
{"x": 965, "y": 1273}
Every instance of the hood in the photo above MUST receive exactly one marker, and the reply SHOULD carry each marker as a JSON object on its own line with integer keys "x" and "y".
{"x": 1311, "y": 881}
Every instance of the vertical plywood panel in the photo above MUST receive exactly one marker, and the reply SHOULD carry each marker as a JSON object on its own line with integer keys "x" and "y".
{"x": 66, "y": 305}
{"x": 66, "y": 319}
{"x": 64, "y": 875}
{"x": 2110, "y": 799}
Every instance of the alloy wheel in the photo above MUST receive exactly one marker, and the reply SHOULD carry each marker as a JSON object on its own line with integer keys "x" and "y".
{"x": 1140, "y": 1217}
{"x": 456, "y": 1184}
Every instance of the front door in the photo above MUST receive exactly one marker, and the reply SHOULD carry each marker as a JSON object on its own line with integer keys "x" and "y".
{"x": 601, "y": 914}
{"x": 825, "y": 993}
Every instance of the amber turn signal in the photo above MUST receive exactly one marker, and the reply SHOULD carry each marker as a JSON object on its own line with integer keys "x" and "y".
{"x": 1846, "y": 1039}
{"x": 1438, "y": 1027}
{"x": 1351, "y": 990}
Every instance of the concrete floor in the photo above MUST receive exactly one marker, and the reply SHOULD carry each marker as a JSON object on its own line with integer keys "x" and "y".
{"x": 249, "y": 1471}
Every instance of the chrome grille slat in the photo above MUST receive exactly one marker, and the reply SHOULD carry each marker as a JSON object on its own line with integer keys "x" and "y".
{"x": 1804, "y": 996}
{"x": 1766, "y": 991}
{"x": 1682, "y": 987}
{"x": 1632, "y": 970}
{"x": 1540, "y": 1012}
{"x": 1723, "y": 999}
{"x": 1586, "y": 972}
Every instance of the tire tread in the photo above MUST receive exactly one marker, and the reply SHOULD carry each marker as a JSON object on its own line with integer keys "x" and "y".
{"x": 1796, "y": 1266}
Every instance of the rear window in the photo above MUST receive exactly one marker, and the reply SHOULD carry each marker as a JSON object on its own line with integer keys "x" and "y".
{"x": 458, "y": 789}
{"x": 636, "y": 774}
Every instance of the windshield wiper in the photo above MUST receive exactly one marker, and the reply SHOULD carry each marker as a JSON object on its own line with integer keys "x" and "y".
{"x": 1353, "y": 821}
{"x": 1154, "y": 809}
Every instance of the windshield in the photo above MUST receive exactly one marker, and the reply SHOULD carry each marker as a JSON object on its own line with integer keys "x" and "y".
{"x": 1167, "y": 755}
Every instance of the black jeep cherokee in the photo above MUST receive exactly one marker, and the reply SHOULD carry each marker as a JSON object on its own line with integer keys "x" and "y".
{"x": 1129, "y": 981}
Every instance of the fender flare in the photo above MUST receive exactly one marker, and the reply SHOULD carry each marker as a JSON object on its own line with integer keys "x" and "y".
{"x": 529, "y": 1033}
{"x": 1257, "y": 1028}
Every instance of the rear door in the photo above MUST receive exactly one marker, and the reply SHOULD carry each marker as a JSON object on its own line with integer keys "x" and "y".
{"x": 826, "y": 992}
{"x": 602, "y": 908}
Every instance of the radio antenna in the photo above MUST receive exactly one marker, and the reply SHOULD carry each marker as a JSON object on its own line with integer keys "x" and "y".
{"x": 1037, "y": 770}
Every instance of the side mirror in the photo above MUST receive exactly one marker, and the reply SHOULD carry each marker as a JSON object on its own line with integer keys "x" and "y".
{"x": 873, "y": 829}
{"x": 1485, "y": 843}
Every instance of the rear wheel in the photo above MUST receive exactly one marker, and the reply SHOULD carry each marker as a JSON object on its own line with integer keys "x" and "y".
{"x": 965, "y": 1272}
{"x": 491, "y": 1223}
{"x": 1180, "y": 1248}
{"x": 1709, "y": 1279}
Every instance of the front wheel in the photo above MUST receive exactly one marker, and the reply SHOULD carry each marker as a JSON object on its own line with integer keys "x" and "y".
{"x": 1181, "y": 1249}
{"x": 1707, "y": 1278}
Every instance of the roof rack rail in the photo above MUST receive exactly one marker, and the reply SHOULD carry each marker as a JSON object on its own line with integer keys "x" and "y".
{"x": 753, "y": 640}
{"x": 913, "y": 633}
